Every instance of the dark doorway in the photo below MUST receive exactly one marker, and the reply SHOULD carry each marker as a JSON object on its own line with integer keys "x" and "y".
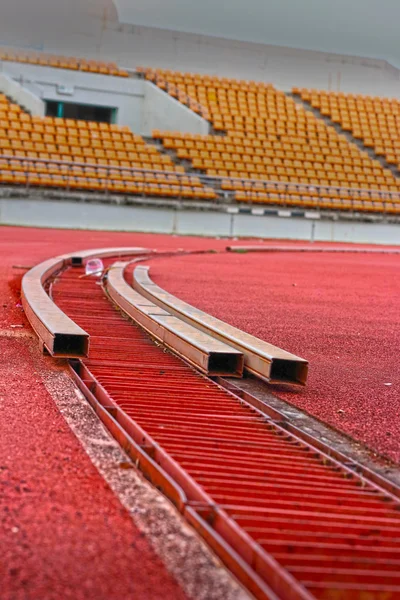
{"x": 82, "y": 112}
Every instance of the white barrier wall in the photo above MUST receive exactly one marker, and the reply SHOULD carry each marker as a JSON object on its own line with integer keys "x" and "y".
{"x": 21, "y": 95}
{"x": 111, "y": 217}
{"x": 161, "y": 111}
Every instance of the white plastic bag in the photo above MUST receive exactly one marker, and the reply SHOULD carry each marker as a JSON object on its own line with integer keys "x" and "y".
{"x": 94, "y": 266}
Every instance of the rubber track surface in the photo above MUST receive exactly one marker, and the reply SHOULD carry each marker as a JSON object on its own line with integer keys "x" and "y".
{"x": 337, "y": 535}
{"x": 46, "y": 478}
{"x": 63, "y": 532}
{"x": 340, "y": 312}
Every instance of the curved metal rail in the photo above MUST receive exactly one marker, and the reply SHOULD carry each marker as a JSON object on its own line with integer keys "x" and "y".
{"x": 262, "y": 359}
{"x": 311, "y": 249}
{"x": 201, "y": 350}
{"x": 58, "y": 333}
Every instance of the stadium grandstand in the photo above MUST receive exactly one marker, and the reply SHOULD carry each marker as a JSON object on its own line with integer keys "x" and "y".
{"x": 199, "y": 300}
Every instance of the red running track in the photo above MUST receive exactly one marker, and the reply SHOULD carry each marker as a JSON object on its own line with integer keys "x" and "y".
{"x": 22, "y": 246}
{"x": 341, "y": 312}
{"x": 28, "y": 246}
{"x": 63, "y": 532}
{"x": 43, "y": 495}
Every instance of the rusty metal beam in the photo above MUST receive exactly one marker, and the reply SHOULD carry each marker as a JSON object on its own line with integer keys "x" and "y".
{"x": 206, "y": 353}
{"x": 261, "y": 359}
{"x": 57, "y": 332}
{"x": 77, "y": 259}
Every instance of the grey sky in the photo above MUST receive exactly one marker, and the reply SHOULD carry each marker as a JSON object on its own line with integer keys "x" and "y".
{"x": 361, "y": 27}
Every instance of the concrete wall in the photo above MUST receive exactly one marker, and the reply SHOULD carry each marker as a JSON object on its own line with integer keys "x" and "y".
{"x": 140, "y": 104}
{"x": 126, "y": 95}
{"x": 161, "y": 111}
{"x": 93, "y": 28}
{"x": 359, "y": 27}
{"x": 90, "y": 28}
{"x": 285, "y": 67}
{"x": 74, "y": 215}
{"x": 131, "y": 46}
{"x": 21, "y": 95}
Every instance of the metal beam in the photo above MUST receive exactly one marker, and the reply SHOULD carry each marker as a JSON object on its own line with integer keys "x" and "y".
{"x": 57, "y": 332}
{"x": 261, "y": 359}
{"x": 206, "y": 353}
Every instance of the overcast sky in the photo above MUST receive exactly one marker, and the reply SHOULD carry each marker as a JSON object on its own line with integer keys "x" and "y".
{"x": 361, "y": 27}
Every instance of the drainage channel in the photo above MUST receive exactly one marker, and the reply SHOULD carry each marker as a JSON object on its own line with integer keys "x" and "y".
{"x": 290, "y": 521}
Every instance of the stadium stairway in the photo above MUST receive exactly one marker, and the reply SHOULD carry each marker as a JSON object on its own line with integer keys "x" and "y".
{"x": 264, "y": 147}
{"x": 370, "y": 151}
{"x": 172, "y": 153}
{"x": 70, "y": 155}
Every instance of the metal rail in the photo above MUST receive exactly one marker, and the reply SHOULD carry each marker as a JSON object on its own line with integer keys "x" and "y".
{"x": 201, "y": 350}
{"x": 282, "y": 194}
{"x": 252, "y": 398}
{"x": 262, "y": 359}
{"x": 291, "y": 522}
{"x": 312, "y": 249}
{"x": 57, "y": 333}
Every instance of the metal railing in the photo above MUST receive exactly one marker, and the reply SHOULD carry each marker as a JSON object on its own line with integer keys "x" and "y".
{"x": 282, "y": 194}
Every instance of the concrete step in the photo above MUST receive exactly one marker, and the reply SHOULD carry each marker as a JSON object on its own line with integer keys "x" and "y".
{"x": 223, "y": 197}
{"x": 160, "y": 147}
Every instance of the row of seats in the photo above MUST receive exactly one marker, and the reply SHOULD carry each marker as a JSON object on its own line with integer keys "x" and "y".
{"x": 87, "y": 155}
{"x": 265, "y": 135}
{"x": 99, "y": 171}
{"x": 63, "y": 62}
{"x": 51, "y": 138}
{"x": 306, "y": 201}
{"x": 374, "y": 121}
{"x": 229, "y": 143}
{"x": 223, "y": 156}
{"x": 202, "y": 80}
{"x": 115, "y": 184}
{"x": 297, "y": 189}
{"x": 331, "y": 171}
{"x": 92, "y": 160}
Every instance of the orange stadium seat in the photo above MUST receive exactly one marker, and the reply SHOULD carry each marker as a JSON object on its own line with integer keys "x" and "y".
{"x": 260, "y": 133}
{"x": 373, "y": 120}
{"x": 69, "y": 145}
{"x": 63, "y": 62}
